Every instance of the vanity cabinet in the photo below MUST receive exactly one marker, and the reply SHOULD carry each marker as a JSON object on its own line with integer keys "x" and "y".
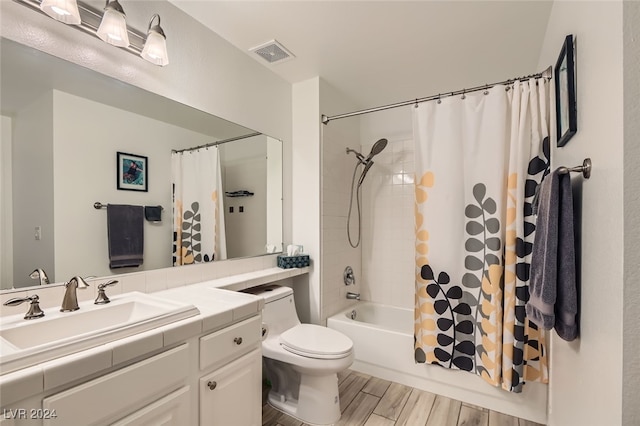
{"x": 210, "y": 378}
{"x": 109, "y": 397}
{"x": 232, "y": 395}
{"x": 160, "y": 390}
{"x": 173, "y": 409}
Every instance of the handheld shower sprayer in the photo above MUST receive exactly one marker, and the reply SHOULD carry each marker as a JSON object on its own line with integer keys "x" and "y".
{"x": 367, "y": 166}
{"x": 367, "y": 163}
{"x": 376, "y": 149}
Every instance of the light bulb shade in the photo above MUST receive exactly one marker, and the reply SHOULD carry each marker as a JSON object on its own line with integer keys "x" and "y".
{"x": 62, "y": 10}
{"x": 113, "y": 28}
{"x": 155, "y": 48}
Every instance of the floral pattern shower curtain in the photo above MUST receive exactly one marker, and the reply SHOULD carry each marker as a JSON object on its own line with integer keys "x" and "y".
{"x": 479, "y": 160}
{"x": 198, "y": 215}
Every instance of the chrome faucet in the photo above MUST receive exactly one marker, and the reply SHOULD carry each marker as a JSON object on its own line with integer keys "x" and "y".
{"x": 34, "y": 309}
{"x": 70, "y": 299}
{"x": 354, "y": 296}
{"x": 102, "y": 295}
{"x": 39, "y": 274}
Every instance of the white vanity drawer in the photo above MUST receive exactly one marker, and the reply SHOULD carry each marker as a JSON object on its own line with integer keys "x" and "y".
{"x": 230, "y": 342}
{"x": 116, "y": 394}
{"x": 172, "y": 410}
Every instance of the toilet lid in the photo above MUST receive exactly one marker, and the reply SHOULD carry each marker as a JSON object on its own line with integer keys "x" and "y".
{"x": 314, "y": 341}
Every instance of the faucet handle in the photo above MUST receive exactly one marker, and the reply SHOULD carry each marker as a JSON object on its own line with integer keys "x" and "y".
{"x": 102, "y": 295}
{"x": 34, "y": 309}
{"x": 348, "y": 276}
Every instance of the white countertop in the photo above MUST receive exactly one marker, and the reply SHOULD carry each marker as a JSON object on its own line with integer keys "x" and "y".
{"x": 217, "y": 300}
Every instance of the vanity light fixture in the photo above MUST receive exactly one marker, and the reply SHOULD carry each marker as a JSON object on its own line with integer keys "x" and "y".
{"x": 109, "y": 25}
{"x": 155, "y": 47}
{"x": 113, "y": 26}
{"x": 62, "y": 10}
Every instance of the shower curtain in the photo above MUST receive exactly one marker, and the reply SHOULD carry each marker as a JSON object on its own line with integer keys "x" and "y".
{"x": 198, "y": 218}
{"x": 479, "y": 160}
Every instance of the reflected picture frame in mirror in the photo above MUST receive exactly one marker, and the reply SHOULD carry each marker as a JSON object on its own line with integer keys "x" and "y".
{"x": 131, "y": 172}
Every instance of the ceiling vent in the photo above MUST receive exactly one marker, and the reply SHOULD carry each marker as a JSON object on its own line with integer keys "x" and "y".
{"x": 272, "y": 52}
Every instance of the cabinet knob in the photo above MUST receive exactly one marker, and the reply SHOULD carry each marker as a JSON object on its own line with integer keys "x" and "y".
{"x": 212, "y": 385}
{"x": 237, "y": 340}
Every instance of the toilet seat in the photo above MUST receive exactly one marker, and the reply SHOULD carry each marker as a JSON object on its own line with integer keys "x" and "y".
{"x": 314, "y": 341}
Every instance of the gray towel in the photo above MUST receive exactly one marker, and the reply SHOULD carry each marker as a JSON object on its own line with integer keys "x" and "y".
{"x": 553, "y": 301}
{"x": 125, "y": 233}
{"x": 153, "y": 213}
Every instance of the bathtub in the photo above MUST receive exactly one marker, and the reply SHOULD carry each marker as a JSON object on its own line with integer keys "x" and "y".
{"x": 382, "y": 338}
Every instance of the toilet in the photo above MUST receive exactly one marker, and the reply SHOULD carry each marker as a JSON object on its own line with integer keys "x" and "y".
{"x": 301, "y": 360}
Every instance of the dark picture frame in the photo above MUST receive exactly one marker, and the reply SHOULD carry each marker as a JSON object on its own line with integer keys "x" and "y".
{"x": 564, "y": 73}
{"x": 132, "y": 172}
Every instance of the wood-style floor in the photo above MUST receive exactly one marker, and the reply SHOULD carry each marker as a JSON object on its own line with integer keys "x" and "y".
{"x": 369, "y": 401}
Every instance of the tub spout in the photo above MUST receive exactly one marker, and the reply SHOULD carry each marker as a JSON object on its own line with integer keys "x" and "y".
{"x": 354, "y": 296}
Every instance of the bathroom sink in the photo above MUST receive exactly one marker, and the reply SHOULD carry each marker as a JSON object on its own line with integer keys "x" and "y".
{"x": 24, "y": 343}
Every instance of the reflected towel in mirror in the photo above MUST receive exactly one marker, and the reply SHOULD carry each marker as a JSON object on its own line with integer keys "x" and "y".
{"x": 153, "y": 213}
{"x": 125, "y": 235}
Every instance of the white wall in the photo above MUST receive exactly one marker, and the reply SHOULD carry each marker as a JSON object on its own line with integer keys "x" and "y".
{"x": 6, "y": 204}
{"x": 631, "y": 337}
{"x": 306, "y": 193}
{"x": 586, "y": 374}
{"x": 337, "y": 171}
{"x": 33, "y": 190}
{"x": 388, "y": 220}
{"x": 86, "y": 137}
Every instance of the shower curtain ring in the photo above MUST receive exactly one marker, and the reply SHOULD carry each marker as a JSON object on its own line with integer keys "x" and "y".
{"x": 486, "y": 89}
{"x": 464, "y": 96}
{"x": 416, "y": 104}
{"x": 439, "y": 100}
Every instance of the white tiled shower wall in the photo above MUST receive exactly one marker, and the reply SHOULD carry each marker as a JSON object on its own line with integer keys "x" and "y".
{"x": 337, "y": 169}
{"x": 388, "y": 224}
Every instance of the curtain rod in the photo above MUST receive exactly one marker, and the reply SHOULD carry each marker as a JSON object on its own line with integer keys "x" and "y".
{"x": 545, "y": 74}
{"x": 207, "y": 145}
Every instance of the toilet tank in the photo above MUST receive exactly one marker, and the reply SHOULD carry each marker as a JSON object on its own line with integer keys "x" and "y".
{"x": 279, "y": 312}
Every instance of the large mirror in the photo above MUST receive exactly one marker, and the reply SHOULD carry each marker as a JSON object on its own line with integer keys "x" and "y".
{"x": 62, "y": 127}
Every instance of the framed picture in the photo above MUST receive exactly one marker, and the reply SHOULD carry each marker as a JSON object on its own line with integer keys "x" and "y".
{"x": 133, "y": 171}
{"x": 566, "y": 124}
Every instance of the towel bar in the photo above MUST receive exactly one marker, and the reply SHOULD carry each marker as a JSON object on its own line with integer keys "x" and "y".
{"x": 98, "y": 205}
{"x": 585, "y": 169}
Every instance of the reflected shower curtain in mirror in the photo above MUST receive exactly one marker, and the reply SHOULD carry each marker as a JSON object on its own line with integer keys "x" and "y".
{"x": 198, "y": 215}
{"x": 479, "y": 159}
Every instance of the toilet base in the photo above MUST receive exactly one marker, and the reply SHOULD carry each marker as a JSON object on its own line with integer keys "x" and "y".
{"x": 318, "y": 402}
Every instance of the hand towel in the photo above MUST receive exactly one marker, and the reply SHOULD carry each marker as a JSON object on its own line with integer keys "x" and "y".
{"x": 125, "y": 234}
{"x": 153, "y": 213}
{"x": 553, "y": 301}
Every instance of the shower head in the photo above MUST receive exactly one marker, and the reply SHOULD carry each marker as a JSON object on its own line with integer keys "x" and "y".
{"x": 376, "y": 149}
